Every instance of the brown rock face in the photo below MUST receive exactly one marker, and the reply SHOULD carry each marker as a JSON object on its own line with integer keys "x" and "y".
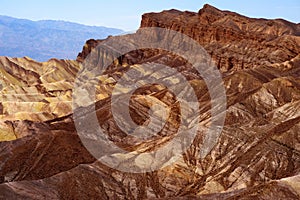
{"x": 234, "y": 41}
{"x": 256, "y": 157}
{"x": 90, "y": 44}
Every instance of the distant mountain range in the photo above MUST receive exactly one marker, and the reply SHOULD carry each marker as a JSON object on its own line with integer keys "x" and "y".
{"x": 45, "y": 39}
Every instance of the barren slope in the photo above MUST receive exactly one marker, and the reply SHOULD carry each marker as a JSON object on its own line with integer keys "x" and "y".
{"x": 256, "y": 157}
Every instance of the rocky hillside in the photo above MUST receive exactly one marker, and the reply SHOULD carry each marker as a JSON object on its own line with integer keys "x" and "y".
{"x": 34, "y": 91}
{"x": 256, "y": 157}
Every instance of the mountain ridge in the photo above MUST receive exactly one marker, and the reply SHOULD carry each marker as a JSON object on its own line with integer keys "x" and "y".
{"x": 45, "y": 39}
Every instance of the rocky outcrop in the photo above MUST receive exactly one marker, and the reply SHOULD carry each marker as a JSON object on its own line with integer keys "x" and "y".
{"x": 257, "y": 155}
{"x": 234, "y": 41}
{"x": 87, "y": 48}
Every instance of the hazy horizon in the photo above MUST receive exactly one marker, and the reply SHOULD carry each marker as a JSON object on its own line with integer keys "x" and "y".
{"x": 127, "y": 16}
{"x": 57, "y": 20}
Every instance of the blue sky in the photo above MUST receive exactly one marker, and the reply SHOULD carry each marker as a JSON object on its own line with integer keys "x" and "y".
{"x": 127, "y": 14}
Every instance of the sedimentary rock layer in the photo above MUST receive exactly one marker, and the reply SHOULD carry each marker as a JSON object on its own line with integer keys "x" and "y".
{"x": 257, "y": 155}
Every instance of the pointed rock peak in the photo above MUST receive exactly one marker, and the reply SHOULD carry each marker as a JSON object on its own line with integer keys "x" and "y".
{"x": 210, "y": 10}
{"x": 210, "y": 13}
{"x": 209, "y": 7}
{"x": 174, "y": 11}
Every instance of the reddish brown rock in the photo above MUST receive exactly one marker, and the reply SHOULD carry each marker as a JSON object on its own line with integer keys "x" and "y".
{"x": 257, "y": 155}
{"x": 234, "y": 41}
{"x": 89, "y": 45}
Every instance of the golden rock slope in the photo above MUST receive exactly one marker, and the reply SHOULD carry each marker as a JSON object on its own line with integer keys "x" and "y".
{"x": 34, "y": 91}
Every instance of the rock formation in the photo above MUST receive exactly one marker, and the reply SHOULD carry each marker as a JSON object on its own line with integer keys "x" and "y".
{"x": 257, "y": 155}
